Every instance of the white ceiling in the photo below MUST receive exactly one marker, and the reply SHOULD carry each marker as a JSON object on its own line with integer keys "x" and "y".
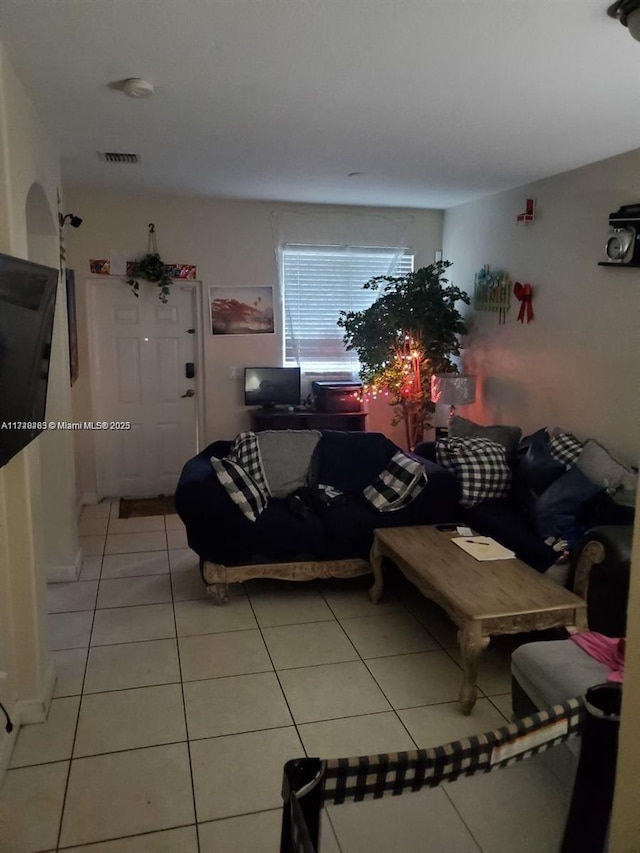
{"x": 435, "y": 102}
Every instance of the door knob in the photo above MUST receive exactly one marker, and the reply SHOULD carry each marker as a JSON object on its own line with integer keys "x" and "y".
{"x": 189, "y": 393}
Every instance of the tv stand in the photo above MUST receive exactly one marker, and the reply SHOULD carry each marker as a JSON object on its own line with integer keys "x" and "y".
{"x": 281, "y": 419}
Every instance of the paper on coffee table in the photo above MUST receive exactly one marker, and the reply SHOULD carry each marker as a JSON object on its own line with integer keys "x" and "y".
{"x": 483, "y": 548}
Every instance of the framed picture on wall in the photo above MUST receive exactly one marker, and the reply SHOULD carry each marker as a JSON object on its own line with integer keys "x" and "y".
{"x": 241, "y": 310}
{"x": 73, "y": 325}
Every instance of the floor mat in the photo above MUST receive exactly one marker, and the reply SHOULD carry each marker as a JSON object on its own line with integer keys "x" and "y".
{"x": 136, "y": 507}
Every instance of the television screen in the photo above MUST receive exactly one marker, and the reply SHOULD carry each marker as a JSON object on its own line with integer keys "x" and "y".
{"x": 271, "y": 386}
{"x": 27, "y": 305}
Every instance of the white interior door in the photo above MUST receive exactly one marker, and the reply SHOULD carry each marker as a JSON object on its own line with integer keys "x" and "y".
{"x": 140, "y": 349}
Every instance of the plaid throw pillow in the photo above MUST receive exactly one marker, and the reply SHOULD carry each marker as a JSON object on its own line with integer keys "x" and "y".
{"x": 401, "y": 482}
{"x": 480, "y": 466}
{"x": 565, "y": 448}
{"x": 241, "y": 487}
{"x": 246, "y": 453}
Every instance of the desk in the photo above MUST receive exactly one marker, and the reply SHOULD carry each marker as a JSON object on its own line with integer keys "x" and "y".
{"x": 279, "y": 419}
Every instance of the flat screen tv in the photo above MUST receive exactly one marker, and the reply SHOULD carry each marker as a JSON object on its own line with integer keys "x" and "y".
{"x": 271, "y": 386}
{"x": 27, "y": 305}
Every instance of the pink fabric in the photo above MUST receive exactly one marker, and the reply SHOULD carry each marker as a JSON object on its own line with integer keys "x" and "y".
{"x": 607, "y": 650}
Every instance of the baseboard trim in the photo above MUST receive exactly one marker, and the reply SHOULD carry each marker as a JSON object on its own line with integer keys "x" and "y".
{"x": 62, "y": 574}
{"x": 89, "y": 499}
{"x": 25, "y": 712}
{"x": 35, "y": 710}
{"x": 7, "y": 742}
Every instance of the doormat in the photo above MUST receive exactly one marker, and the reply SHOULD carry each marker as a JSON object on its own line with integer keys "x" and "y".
{"x": 136, "y": 507}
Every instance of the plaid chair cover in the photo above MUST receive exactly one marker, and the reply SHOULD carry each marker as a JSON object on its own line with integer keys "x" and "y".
{"x": 401, "y": 482}
{"x": 373, "y": 776}
{"x": 565, "y": 448}
{"x": 480, "y": 466}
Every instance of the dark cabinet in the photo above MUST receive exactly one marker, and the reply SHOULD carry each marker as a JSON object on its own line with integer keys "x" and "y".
{"x": 351, "y": 421}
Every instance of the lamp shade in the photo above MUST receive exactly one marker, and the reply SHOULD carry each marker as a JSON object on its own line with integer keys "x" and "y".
{"x": 453, "y": 389}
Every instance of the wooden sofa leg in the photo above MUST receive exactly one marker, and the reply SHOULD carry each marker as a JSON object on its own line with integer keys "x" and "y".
{"x": 214, "y": 576}
{"x": 218, "y": 592}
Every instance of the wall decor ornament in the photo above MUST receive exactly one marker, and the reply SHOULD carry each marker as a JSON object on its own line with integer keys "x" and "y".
{"x": 529, "y": 214}
{"x": 102, "y": 266}
{"x": 524, "y": 294}
{"x": 241, "y": 310}
{"x": 491, "y": 292}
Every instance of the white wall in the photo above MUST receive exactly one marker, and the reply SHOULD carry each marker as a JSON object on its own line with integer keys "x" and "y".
{"x": 576, "y": 364}
{"x": 26, "y": 160}
{"x": 232, "y": 243}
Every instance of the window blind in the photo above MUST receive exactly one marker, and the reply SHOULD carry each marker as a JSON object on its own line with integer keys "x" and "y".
{"x": 320, "y": 281}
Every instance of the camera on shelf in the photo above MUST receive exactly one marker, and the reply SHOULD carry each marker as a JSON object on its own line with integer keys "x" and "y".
{"x": 623, "y": 241}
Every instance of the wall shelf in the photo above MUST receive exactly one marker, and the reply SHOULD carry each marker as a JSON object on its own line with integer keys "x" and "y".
{"x": 635, "y": 264}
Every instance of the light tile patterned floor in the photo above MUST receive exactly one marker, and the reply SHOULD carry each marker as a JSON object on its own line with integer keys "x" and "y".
{"x": 172, "y": 717}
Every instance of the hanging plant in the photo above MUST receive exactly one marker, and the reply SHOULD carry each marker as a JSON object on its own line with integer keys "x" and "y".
{"x": 152, "y": 268}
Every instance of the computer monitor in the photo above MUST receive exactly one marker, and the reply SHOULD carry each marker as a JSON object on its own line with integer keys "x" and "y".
{"x": 271, "y": 386}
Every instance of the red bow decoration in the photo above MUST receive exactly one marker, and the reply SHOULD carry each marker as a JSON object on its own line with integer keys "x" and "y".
{"x": 524, "y": 294}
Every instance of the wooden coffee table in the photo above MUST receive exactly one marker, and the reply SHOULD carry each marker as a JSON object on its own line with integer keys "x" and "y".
{"x": 483, "y": 598}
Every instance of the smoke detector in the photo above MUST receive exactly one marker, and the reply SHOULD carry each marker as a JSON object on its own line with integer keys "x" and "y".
{"x": 136, "y": 87}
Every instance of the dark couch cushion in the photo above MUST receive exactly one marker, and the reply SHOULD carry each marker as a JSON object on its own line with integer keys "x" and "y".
{"x": 503, "y": 521}
{"x": 557, "y": 509}
{"x": 507, "y": 436}
{"x": 282, "y": 535}
{"x": 537, "y": 469}
{"x": 348, "y": 528}
{"x": 350, "y": 461}
{"x": 426, "y": 450}
{"x": 540, "y": 435}
{"x": 349, "y": 525}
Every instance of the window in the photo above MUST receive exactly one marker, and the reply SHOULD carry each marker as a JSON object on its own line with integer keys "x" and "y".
{"x": 320, "y": 281}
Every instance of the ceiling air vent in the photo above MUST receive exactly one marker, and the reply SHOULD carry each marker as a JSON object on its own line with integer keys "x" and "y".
{"x": 118, "y": 157}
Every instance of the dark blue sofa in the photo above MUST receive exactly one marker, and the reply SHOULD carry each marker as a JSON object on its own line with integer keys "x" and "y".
{"x": 599, "y": 564}
{"x": 322, "y": 540}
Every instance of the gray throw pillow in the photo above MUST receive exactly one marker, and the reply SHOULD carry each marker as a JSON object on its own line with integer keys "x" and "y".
{"x": 601, "y": 468}
{"x": 507, "y": 436}
{"x": 626, "y": 494}
{"x": 286, "y": 457}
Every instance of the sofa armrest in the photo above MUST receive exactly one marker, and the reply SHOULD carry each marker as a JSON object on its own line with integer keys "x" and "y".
{"x": 600, "y": 575}
{"x": 216, "y": 529}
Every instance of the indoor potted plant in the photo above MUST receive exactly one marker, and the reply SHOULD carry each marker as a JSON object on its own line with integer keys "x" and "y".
{"x": 152, "y": 268}
{"x": 409, "y": 333}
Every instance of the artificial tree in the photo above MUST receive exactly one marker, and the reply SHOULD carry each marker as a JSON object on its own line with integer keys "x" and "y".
{"x": 409, "y": 333}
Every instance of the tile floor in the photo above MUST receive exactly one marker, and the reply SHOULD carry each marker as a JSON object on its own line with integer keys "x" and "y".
{"x": 172, "y": 717}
